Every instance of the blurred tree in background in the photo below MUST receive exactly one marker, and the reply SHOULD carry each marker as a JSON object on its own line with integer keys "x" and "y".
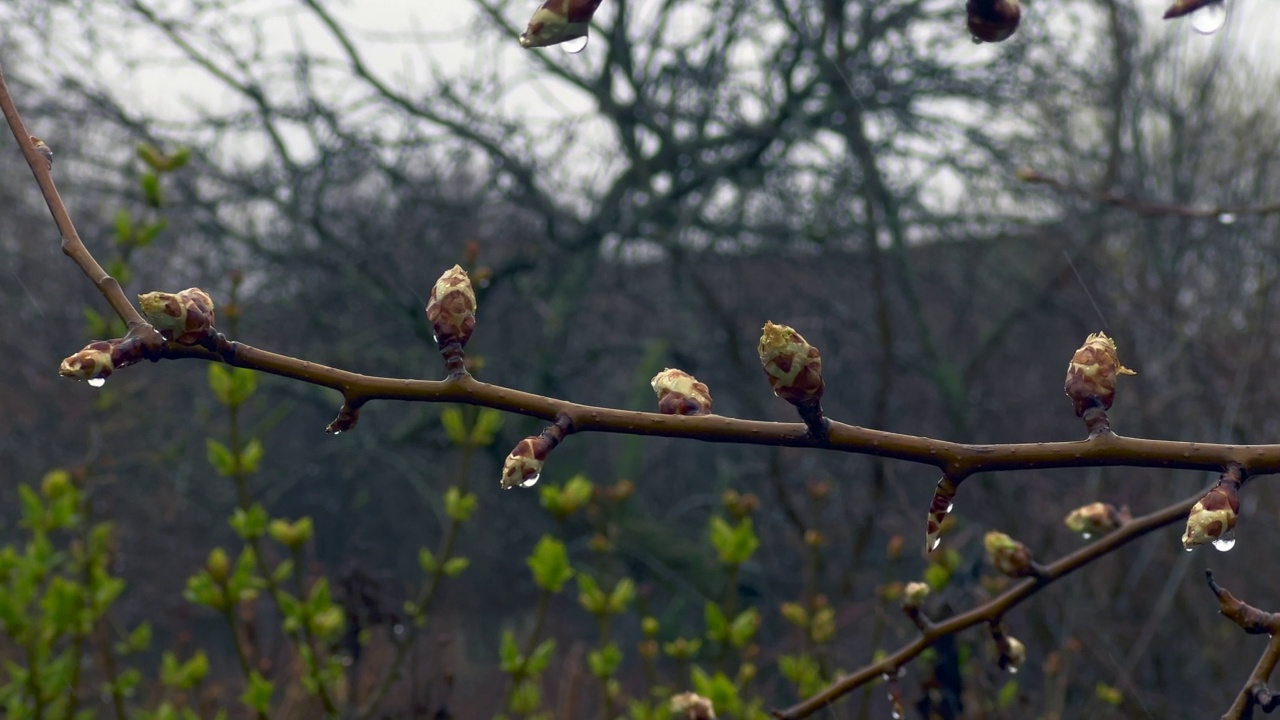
{"x": 849, "y": 168}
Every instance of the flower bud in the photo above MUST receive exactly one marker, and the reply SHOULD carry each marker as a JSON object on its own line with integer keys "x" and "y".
{"x": 56, "y": 483}
{"x": 993, "y": 20}
{"x": 1213, "y": 516}
{"x": 1007, "y": 555}
{"x": 1092, "y": 374}
{"x": 96, "y": 361}
{"x": 558, "y": 21}
{"x": 523, "y": 466}
{"x": 649, "y": 626}
{"x": 218, "y": 565}
{"x": 691, "y": 706}
{"x": 451, "y": 308}
{"x": 183, "y": 317}
{"x": 914, "y": 594}
{"x": 1095, "y": 519}
{"x": 1013, "y": 655}
{"x": 680, "y": 393}
{"x": 292, "y": 535}
{"x": 794, "y": 366}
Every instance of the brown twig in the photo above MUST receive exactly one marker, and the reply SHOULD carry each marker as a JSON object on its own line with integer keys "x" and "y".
{"x": 42, "y": 167}
{"x": 993, "y": 609}
{"x": 1254, "y": 691}
{"x": 1147, "y": 207}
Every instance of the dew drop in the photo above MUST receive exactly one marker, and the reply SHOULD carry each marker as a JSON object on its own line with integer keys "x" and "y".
{"x": 1226, "y": 542}
{"x": 895, "y": 714}
{"x": 1087, "y": 536}
{"x": 531, "y": 480}
{"x": 398, "y": 629}
{"x": 1013, "y": 669}
{"x": 1210, "y": 18}
{"x": 934, "y": 545}
{"x": 887, "y": 677}
{"x": 976, "y": 40}
{"x": 1227, "y": 218}
{"x": 1189, "y": 549}
{"x": 336, "y": 432}
{"x": 97, "y": 382}
{"x": 575, "y": 46}
{"x": 950, "y": 507}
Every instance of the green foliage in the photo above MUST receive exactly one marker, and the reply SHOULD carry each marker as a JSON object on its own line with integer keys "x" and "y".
{"x": 550, "y": 564}
{"x": 734, "y": 544}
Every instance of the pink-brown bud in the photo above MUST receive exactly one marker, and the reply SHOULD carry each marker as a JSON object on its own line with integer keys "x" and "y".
{"x": 914, "y": 595}
{"x": 96, "y": 361}
{"x": 558, "y": 21}
{"x": 1096, "y": 519}
{"x": 523, "y": 467}
{"x": 451, "y": 308}
{"x": 793, "y": 365}
{"x": 184, "y": 317}
{"x": 1213, "y": 516}
{"x": 680, "y": 393}
{"x": 1007, "y": 555}
{"x": 691, "y": 706}
{"x": 993, "y": 20}
{"x": 1092, "y": 374}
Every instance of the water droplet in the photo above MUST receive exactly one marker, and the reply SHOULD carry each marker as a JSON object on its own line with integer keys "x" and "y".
{"x": 1087, "y": 536}
{"x": 97, "y": 382}
{"x": 950, "y": 506}
{"x": 1013, "y": 669}
{"x": 337, "y": 432}
{"x": 575, "y": 46}
{"x": 1210, "y": 18}
{"x": 976, "y": 40}
{"x": 1226, "y": 542}
{"x": 934, "y": 545}
{"x": 887, "y": 677}
{"x": 1189, "y": 549}
{"x": 531, "y": 480}
{"x": 1227, "y": 218}
{"x": 398, "y": 629}
{"x": 895, "y": 714}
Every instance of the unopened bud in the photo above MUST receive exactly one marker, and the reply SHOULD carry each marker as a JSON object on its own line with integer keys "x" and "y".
{"x": 691, "y": 706}
{"x": 914, "y": 594}
{"x": 794, "y": 366}
{"x": 813, "y": 538}
{"x": 292, "y": 535}
{"x": 558, "y": 21}
{"x": 523, "y": 466}
{"x": 649, "y": 626}
{"x": 218, "y": 565}
{"x": 451, "y": 308}
{"x": 993, "y": 20}
{"x": 184, "y": 317}
{"x": 1007, "y": 555}
{"x": 1095, "y": 519}
{"x": 1092, "y": 374}
{"x": 1213, "y": 516}
{"x": 1013, "y": 655}
{"x": 96, "y": 361}
{"x": 680, "y": 393}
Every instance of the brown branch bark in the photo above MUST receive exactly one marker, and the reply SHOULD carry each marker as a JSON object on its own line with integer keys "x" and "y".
{"x": 1148, "y": 207}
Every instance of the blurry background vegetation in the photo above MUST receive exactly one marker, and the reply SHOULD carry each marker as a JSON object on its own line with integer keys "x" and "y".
{"x": 848, "y": 168}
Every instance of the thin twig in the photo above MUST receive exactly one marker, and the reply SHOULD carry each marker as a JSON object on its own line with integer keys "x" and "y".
{"x": 994, "y": 608}
{"x": 1223, "y": 213}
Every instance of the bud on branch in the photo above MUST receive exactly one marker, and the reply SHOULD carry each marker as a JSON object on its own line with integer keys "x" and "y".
{"x": 1213, "y": 517}
{"x": 451, "y": 310}
{"x": 1091, "y": 381}
{"x": 523, "y": 465}
{"x": 794, "y": 368}
{"x": 680, "y": 393}
{"x": 185, "y": 317}
{"x": 558, "y": 21}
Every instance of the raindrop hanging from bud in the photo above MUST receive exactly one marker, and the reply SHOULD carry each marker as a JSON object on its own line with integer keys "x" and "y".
{"x": 1226, "y": 542}
{"x": 576, "y": 45}
{"x": 1210, "y": 18}
{"x": 1227, "y": 218}
{"x": 97, "y": 382}
{"x": 531, "y": 480}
